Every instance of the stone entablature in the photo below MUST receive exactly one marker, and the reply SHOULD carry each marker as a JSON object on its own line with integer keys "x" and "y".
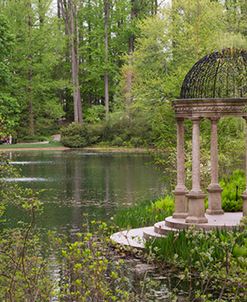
{"x": 188, "y": 108}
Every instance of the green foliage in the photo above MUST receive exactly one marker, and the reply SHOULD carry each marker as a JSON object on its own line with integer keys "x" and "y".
{"x": 145, "y": 213}
{"x": 24, "y": 271}
{"x": 169, "y": 44}
{"x": 34, "y": 138}
{"x": 78, "y": 136}
{"x": 137, "y": 129}
{"x": 117, "y": 141}
{"x": 95, "y": 114}
{"x": 217, "y": 260}
{"x": 9, "y": 114}
{"x": 233, "y": 186}
{"x": 36, "y": 51}
{"x": 6, "y": 47}
{"x": 9, "y": 107}
{"x": 90, "y": 271}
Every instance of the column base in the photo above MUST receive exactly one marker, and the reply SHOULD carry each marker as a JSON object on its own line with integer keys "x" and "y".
{"x": 196, "y": 213}
{"x": 244, "y": 196}
{"x": 181, "y": 203}
{"x": 214, "y": 212}
{"x": 214, "y": 200}
{"x": 196, "y": 220}
{"x": 178, "y": 215}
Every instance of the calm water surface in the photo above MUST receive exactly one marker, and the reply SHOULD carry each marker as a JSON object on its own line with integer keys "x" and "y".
{"x": 75, "y": 182}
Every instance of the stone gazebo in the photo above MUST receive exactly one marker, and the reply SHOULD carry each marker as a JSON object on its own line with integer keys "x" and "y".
{"x": 215, "y": 87}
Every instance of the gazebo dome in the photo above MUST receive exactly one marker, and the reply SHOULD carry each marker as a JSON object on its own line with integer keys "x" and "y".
{"x": 222, "y": 74}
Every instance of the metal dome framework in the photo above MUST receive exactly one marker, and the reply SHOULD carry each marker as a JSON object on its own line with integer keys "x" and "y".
{"x": 222, "y": 74}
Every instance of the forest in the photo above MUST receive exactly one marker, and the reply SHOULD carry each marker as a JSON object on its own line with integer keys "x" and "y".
{"x": 109, "y": 67}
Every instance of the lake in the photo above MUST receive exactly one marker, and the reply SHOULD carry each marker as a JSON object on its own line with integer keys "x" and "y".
{"x": 75, "y": 183}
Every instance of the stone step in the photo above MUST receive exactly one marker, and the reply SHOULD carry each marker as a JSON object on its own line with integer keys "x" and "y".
{"x": 150, "y": 234}
{"x": 176, "y": 223}
{"x": 180, "y": 224}
{"x": 162, "y": 229}
{"x": 227, "y": 221}
{"x": 133, "y": 237}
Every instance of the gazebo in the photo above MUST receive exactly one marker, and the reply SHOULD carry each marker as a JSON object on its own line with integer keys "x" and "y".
{"x": 215, "y": 87}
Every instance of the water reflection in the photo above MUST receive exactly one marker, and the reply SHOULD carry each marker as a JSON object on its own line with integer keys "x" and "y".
{"x": 30, "y": 162}
{"x": 25, "y": 179}
{"x": 75, "y": 183}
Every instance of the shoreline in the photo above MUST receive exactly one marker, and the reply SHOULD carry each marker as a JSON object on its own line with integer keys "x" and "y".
{"x": 115, "y": 150}
{"x": 86, "y": 149}
{"x": 34, "y": 149}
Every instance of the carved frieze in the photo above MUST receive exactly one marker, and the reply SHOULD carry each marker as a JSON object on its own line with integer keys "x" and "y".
{"x": 187, "y": 108}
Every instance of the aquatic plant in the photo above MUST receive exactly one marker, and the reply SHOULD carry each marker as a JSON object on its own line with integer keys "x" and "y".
{"x": 145, "y": 213}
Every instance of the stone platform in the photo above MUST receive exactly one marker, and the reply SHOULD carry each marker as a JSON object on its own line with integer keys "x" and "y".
{"x": 136, "y": 237}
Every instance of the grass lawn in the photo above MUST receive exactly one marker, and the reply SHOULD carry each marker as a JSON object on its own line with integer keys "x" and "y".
{"x": 32, "y": 145}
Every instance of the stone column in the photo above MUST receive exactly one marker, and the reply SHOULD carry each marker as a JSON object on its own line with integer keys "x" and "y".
{"x": 214, "y": 189}
{"x": 244, "y": 195}
{"x": 180, "y": 190}
{"x": 196, "y": 197}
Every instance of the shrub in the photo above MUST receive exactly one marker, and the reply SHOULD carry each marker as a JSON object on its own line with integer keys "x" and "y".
{"x": 33, "y": 139}
{"x": 233, "y": 186}
{"x": 117, "y": 141}
{"x": 118, "y": 130}
{"x": 137, "y": 142}
{"x": 76, "y": 135}
{"x": 75, "y": 141}
{"x": 95, "y": 114}
{"x": 90, "y": 270}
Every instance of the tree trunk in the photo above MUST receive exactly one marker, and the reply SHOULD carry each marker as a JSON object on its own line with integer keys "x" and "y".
{"x": 129, "y": 71}
{"x": 30, "y": 73}
{"x": 30, "y": 104}
{"x": 128, "y": 86}
{"x": 155, "y": 7}
{"x": 58, "y": 9}
{"x": 75, "y": 63}
{"x": 69, "y": 12}
{"x": 133, "y": 16}
{"x": 106, "y": 74}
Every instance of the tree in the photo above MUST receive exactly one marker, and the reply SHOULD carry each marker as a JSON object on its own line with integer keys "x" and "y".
{"x": 9, "y": 107}
{"x": 36, "y": 52}
{"x": 236, "y": 16}
{"x": 169, "y": 45}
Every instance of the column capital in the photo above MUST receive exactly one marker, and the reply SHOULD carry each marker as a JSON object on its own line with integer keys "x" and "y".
{"x": 214, "y": 119}
{"x": 196, "y": 119}
{"x": 180, "y": 119}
